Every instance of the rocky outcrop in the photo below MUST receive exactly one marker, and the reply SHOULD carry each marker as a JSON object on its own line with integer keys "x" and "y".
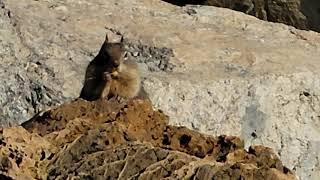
{"x": 302, "y": 14}
{"x": 107, "y": 140}
{"x": 211, "y": 69}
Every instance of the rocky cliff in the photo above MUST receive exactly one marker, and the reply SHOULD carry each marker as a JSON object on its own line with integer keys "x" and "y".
{"x": 108, "y": 140}
{"x": 302, "y": 14}
{"x": 213, "y": 70}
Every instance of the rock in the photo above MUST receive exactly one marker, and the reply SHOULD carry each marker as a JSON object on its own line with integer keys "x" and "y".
{"x": 287, "y": 12}
{"x": 27, "y": 85}
{"x": 302, "y": 14}
{"x": 107, "y": 140}
{"x": 211, "y": 69}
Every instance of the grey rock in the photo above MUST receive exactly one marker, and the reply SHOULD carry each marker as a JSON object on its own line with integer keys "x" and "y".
{"x": 23, "y": 92}
{"x": 156, "y": 59}
{"x": 211, "y": 69}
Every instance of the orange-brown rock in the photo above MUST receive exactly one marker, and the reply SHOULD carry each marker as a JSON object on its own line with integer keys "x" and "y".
{"x": 107, "y": 140}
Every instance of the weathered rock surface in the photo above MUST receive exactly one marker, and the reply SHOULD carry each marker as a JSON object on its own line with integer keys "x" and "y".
{"x": 107, "y": 140}
{"x": 211, "y": 69}
{"x": 302, "y": 14}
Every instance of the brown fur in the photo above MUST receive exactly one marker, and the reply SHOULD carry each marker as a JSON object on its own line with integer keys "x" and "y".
{"x": 108, "y": 58}
{"x": 109, "y": 75}
{"x": 125, "y": 80}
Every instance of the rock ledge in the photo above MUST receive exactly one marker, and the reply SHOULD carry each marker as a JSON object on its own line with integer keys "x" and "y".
{"x": 108, "y": 140}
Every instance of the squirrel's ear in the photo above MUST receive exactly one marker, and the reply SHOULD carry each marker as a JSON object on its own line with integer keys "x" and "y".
{"x": 106, "y": 39}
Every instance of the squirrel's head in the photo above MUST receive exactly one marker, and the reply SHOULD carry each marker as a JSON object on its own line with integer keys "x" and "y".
{"x": 113, "y": 52}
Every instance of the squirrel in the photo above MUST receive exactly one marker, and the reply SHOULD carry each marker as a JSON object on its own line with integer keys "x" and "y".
{"x": 124, "y": 80}
{"x": 110, "y": 75}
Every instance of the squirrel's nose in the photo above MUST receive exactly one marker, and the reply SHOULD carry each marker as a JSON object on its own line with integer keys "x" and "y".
{"x": 116, "y": 65}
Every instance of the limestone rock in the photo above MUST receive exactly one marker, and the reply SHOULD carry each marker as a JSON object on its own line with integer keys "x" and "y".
{"x": 211, "y": 69}
{"x": 107, "y": 140}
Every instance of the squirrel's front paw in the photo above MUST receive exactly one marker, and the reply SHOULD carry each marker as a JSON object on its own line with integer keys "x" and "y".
{"x": 114, "y": 74}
